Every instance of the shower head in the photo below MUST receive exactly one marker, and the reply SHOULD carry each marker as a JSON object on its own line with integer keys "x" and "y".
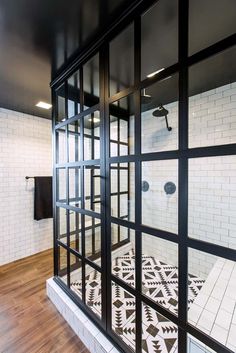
{"x": 160, "y": 112}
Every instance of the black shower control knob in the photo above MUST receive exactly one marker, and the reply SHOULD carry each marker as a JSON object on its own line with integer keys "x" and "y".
{"x": 170, "y": 188}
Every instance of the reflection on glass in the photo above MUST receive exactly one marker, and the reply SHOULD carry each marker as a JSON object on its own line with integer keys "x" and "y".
{"x": 159, "y": 119}
{"x": 75, "y": 231}
{"x": 217, "y": 22}
{"x": 74, "y": 141}
{"x": 73, "y": 102}
{"x": 61, "y": 106}
{"x": 122, "y": 127}
{"x": 122, "y": 190}
{"x": 93, "y": 288}
{"x": 212, "y": 294}
{"x": 61, "y": 185}
{"x": 62, "y": 263}
{"x": 123, "y": 253}
{"x": 160, "y": 199}
{"x": 122, "y": 66}
{"x": 92, "y": 188}
{"x": 212, "y": 104}
{"x": 76, "y": 275}
{"x": 74, "y": 187}
{"x": 92, "y": 136}
{"x": 196, "y": 346}
{"x": 123, "y": 315}
{"x": 160, "y": 271}
{"x": 158, "y": 331}
{"x": 159, "y": 37}
{"x": 61, "y": 145}
{"x": 91, "y": 82}
{"x": 61, "y": 225}
{"x": 93, "y": 239}
{"x": 212, "y": 201}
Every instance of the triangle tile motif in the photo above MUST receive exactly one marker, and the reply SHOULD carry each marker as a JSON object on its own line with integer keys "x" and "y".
{"x": 159, "y": 283}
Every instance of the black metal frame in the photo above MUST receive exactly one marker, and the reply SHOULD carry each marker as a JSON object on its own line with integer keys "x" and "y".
{"x": 183, "y": 154}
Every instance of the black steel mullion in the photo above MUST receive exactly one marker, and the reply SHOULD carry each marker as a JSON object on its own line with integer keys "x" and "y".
{"x": 67, "y": 212}
{"x": 138, "y": 195}
{"x": 55, "y": 182}
{"x": 118, "y": 175}
{"x": 183, "y": 175}
{"x": 106, "y": 204}
{"x": 79, "y": 115}
{"x": 213, "y": 249}
{"x": 92, "y": 182}
{"x": 82, "y": 185}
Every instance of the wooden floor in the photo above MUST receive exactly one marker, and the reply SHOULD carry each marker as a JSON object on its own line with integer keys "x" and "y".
{"x": 29, "y": 322}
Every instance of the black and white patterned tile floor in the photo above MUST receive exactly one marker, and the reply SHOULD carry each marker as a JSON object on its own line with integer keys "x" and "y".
{"x": 160, "y": 283}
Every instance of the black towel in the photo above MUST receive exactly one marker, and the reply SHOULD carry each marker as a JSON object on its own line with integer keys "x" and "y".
{"x": 42, "y": 198}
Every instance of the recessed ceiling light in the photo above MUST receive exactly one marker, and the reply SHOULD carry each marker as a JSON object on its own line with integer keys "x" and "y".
{"x": 43, "y": 105}
{"x": 95, "y": 120}
{"x": 155, "y": 72}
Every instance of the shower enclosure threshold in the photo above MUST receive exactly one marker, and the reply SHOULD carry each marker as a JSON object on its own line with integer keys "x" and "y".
{"x": 83, "y": 327}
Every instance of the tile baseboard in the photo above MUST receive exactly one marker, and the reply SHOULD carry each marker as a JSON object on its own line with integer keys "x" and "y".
{"x": 88, "y": 333}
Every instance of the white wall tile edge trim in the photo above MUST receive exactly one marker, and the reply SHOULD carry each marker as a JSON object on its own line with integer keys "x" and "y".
{"x": 89, "y": 334}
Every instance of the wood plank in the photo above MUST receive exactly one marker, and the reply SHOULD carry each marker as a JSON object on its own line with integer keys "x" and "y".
{"x": 29, "y": 322}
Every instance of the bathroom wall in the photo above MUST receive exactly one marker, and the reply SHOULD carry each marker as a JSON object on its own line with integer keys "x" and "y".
{"x": 212, "y": 181}
{"x": 25, "y": 149}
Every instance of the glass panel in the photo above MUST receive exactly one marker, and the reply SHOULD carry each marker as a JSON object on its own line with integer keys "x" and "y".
{"x": 122, "y": 191}
{"x": 61, "y": 185}
{"x": 74, "y": 141}
{"x": 75, "y": 231}
{"x": 74, "y": 187}
{"x": 61, "y": 225}
{"x": 217, "y": 21}
{"x": 123, "y": 315}
{"x": 160, "y": 195}
{"x": 122, "y": 127}
{"x": 61, "y": 109}
{"x": 91, "y": 82}
{"x": 92, "y": 136}
{"x": 159, "y": 119}
{"x": 93, "y": 288}
{"x": 212, "y": 102}
{"x": 92, "y": 181}
{"x": 159, "y": 38}
{"x": 160, "y": 271}
{"x": 61, "y": 145}
{"x": 93, "y": 239}
{"x": 122, "y": 66}
{"x": 212, "y": 200}
{"x": 76, "y": 275}
{"x": 212, "y": 296}
{"x": 159, "y": 334}
{"x": 73, "y": 104}
{"x": 62, "y": 264}
{"x": 123, "y": 253}
{"x": 196, "y": 346}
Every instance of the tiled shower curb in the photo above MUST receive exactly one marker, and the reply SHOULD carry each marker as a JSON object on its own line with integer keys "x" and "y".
{"x": 89, "y": 334}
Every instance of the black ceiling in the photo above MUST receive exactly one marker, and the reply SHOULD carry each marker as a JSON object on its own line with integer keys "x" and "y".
{"x": 37, "y": 36}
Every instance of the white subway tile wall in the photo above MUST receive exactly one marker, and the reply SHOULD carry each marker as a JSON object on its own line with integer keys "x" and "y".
{"x": 25, "y": 149}
{"x": 212, "y": 181}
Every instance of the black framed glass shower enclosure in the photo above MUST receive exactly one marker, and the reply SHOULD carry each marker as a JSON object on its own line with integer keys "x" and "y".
{"x": 125, "y": 152}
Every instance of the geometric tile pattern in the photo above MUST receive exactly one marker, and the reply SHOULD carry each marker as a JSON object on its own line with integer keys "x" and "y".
{"x": 160, "y": 283}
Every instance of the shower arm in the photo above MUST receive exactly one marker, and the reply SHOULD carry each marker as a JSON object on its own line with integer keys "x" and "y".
{"x": 167, "y": 125}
